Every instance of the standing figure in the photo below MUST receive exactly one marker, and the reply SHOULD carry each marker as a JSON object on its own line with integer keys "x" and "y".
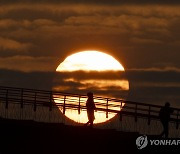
{"x": 164, "y": 116}
{"x": 90, "y": 109}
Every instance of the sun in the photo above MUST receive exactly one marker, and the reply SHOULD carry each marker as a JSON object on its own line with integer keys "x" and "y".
{"x": 90, "y": 61}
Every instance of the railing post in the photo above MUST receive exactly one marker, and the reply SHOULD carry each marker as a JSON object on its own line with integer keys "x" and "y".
{"x": 149, "y": 115}
{"x": 7, "y": 99}
{"x": 50, "y": 106}
{"x": 22, "y": 98}
{"x": 35, "y": 103}
{"x": 107, "y": 108}
{"x": 177, "y": 120}
{"x": 64, "y": 105}
{"x": 120, "y": 114}
{"x": 79, "y": 107}
{"x": 136, "y": 113}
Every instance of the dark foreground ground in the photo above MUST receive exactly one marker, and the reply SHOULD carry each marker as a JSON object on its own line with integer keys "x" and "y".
{"x": 29, "y": 137}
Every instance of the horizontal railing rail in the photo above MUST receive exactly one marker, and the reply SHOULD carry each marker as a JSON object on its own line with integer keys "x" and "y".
{"x": 53, "y": 99}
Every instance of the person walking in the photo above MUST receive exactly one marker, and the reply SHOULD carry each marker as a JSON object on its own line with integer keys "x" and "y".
{"x": 90, "y": 109}
{"x": 164, "y": 116}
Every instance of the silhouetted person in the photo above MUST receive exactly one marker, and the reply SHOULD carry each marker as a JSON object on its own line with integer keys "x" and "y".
{"x": 164, "y": 116}
{"x": 90, "y": 109}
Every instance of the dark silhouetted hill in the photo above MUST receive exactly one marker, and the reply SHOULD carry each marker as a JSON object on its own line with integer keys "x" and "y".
{"x": 29, "y": 137}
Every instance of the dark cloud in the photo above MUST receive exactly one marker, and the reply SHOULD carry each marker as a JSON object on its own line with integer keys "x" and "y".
{"x": 37, "y": 80}
{"x": 155, "y": 95}
{"x": 93, "y": 75}
{"x": 28, "y": 64}
{"x": 107, "y": 83}
{"x": 37, "y": 35}
{"x": 13, "y": 45}
{"x": 138, "y": 36}
{"x": 154, "y": 75}
{"x": 145, "y": 86}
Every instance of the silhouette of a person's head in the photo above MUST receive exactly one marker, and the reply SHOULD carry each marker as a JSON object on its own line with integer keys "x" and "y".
{"x": 90, "y": 94}
{"x": 167, "y": 104}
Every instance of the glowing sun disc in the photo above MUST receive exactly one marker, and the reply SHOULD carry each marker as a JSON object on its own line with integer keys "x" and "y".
{"x": 90, "y": 61}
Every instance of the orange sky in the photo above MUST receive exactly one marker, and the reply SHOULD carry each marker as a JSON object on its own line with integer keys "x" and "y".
{"x": 143, "y": 36}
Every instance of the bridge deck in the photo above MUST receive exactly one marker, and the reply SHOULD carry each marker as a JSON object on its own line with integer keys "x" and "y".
{"x": 77, "y": 102}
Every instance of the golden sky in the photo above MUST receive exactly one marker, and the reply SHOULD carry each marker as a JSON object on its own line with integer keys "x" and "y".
{"x": 143, "y": 36}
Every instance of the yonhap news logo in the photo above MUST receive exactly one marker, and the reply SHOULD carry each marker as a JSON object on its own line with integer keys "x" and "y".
{"x": 142, "y": 142}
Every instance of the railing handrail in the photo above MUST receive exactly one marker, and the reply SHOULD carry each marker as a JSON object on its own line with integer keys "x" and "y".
{"x": 84, "y": 96}
{"x": 107, "y": 106}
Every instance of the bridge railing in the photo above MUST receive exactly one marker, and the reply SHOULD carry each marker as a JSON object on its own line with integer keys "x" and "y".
{"x": 50, "y": 99}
